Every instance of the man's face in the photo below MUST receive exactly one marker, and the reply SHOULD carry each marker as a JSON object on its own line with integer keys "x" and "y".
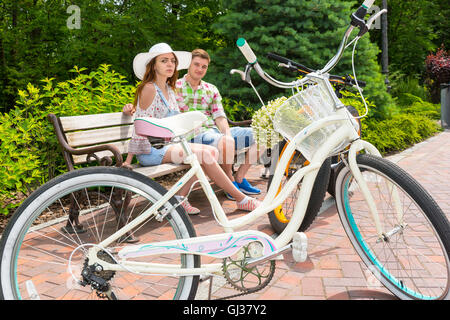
{"x": 198, "y": 68}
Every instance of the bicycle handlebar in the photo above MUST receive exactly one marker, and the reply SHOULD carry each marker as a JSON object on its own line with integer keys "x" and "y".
{"x": 304, "y": 69}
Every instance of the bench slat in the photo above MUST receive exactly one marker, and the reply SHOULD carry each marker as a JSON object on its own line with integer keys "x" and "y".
{"x": 98, "y": 136}
{"x": 93, "y": 121}
{"x": 160, "y": 170}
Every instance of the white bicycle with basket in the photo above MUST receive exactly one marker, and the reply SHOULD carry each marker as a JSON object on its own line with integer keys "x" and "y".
{"x": 394, "y": 225}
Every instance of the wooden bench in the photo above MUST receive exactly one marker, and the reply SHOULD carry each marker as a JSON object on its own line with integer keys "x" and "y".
{"x": 101, "y": 137}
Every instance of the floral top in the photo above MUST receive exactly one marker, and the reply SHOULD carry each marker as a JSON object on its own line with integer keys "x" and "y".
{"x": 158, "y": 109}
{"x": 206, "y": 99}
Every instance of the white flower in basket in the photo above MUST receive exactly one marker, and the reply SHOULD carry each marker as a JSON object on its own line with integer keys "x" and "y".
{"x": 262, "y": 125}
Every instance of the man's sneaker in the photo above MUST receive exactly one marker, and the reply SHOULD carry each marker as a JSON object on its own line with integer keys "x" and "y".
{"x": 247, "y": 188}
{"x": 229, "y": 196}
{"x": 189, "y": 209}
{"x": 250, "y": 205}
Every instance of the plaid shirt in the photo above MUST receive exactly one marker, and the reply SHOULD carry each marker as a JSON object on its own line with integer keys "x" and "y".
{"x": 206, "y": 99}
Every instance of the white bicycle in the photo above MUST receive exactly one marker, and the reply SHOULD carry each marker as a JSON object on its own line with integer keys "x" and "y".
{"x": 147, "y": 247}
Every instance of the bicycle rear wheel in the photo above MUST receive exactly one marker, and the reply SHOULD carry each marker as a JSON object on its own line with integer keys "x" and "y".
{"x": 43, "y": 249}
{"x": 280, "y": 217}
{"x": 412, "y": 257}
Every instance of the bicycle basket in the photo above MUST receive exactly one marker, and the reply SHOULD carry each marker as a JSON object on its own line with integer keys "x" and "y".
{"x": 305, "y": 107}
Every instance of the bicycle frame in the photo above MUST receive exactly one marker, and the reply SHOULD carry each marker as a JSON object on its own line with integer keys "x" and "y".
{"x": 273, "y": 199}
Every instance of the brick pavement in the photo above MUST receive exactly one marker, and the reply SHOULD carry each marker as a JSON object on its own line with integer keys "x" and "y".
{"x": 333, "y": 270}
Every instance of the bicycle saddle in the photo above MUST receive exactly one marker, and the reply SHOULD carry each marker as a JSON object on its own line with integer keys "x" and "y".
{"x": 170, "y": 127}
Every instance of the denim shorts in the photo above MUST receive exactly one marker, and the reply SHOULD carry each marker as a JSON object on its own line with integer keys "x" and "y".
{"x": 153, "y": 158}
{"x": 243, "y": 137}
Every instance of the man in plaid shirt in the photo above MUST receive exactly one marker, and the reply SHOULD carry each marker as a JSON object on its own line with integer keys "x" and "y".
{"x": 194, "y": 94}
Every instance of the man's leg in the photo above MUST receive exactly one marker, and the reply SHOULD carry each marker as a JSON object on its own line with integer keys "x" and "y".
{"x": 243, "y": 138}
{"x": 251, "y": 158}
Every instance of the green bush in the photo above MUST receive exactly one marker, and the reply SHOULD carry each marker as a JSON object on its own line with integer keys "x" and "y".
{"x": 237, "y": 110}
{"x": 405, "y": 126}
{"x": 398, "y": 132}
{"x": 407, "y": 89}
{"x": 29, "y": 152}
{"x": 423, "y": 108}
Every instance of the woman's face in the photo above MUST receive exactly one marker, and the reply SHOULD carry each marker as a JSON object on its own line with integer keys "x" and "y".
{"x": 166, "y": 65}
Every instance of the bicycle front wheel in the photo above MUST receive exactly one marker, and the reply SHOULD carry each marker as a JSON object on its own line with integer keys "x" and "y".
{"x": 411, "y": 258}
{"x": 43, "y": 249}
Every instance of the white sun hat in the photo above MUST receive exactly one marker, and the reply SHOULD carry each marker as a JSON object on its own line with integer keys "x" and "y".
{"x": 142, "y": 59}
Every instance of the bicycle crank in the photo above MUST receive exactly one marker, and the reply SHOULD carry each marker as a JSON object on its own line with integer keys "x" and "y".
{"x": 243, "y": 277}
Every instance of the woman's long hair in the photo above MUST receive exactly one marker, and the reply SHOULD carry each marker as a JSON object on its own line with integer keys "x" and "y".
{"x": 150, "y": 76}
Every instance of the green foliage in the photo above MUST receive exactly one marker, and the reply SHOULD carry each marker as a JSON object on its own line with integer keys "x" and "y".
{"x": 407, "y": 89}
{"x": 29, "y": 152}
{"x": 414, "y": 29}
{"x": 410, "y": 123}
{"x": 35, "y": 41}
{"x": 236, "y": 110}
{"x": 398, "y": 132}
{"x": 423, "y": 108}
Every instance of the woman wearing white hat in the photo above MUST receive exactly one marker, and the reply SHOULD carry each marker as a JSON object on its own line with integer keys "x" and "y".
{"x": 155, "y": 97}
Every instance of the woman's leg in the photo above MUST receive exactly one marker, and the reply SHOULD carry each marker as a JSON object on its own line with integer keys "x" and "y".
{"x": 208, "y": 157}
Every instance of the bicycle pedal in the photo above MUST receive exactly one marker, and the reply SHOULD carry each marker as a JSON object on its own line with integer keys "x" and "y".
{"x": 299, "y": 247}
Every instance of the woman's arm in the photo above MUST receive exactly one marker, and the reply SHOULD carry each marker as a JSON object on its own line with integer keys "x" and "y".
{"x": 147, "y": 95}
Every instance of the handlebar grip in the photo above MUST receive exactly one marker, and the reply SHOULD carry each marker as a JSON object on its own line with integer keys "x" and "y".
{"x": 368, "y": 4}
{"x": 358, "y": 15}
{"x": 246, "y": 50}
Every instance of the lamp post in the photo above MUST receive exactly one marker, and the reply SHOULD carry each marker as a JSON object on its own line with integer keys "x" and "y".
{"x": 384, "y": 47}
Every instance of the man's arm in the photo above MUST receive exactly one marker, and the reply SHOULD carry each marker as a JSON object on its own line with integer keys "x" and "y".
{"x": 222, "y": 125}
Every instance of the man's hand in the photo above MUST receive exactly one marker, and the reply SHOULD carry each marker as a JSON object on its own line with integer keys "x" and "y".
{"x": 129, "y": 109}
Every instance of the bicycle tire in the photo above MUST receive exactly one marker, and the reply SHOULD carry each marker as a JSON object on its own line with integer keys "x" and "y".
{"x": 35, "y": 256}
{"x": 412, "y": 257}
{"x": 315, "y": 202}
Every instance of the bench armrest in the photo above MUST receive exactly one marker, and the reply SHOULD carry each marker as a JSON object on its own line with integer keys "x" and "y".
{"x": 244, "y": 123}
{"x": 89, "y": 151}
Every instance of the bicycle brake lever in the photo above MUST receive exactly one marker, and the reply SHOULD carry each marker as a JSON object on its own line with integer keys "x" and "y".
{"x": 245, "y": 75}
{"x": 366, "y": 26}
{"x": 240, "y": 72}
{"x": 288, "y": 66}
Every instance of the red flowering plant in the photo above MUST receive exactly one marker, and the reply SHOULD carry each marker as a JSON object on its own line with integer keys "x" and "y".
{"x": 438, "y": 66}
{"x": 438, "y": 70}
